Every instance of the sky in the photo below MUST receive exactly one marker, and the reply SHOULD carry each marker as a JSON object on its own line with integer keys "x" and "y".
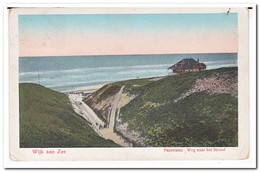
{"x": 116, "y": 34}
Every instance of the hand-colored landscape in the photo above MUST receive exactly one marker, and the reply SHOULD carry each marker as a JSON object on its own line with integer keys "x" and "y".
{"x": 187, "y": 110}
{"x": 128, "y": 80}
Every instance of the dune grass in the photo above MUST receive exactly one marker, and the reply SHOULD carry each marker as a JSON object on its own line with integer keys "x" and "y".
{"x": 48, "y": 120}
{"x": 200, "y": 119}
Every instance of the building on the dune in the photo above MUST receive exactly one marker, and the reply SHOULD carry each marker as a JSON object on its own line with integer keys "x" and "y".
{"x": 187, "y": 65}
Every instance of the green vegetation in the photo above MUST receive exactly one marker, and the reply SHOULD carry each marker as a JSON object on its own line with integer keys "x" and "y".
{"x": 48, "y": 120}
{"x": 107, "y": 91}
{"x": 199, "y": 119}
{"x": 135, "y": 86}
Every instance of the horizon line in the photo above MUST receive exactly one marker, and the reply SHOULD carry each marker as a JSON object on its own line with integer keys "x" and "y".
{"x": 128, "y": 54}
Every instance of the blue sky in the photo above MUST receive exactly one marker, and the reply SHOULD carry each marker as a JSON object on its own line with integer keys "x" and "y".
{"x": 121, "y": 25}
{"x": 128, "y": 21}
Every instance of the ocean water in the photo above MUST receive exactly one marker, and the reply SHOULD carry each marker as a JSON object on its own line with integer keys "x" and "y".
{"x": 62, "y": 73}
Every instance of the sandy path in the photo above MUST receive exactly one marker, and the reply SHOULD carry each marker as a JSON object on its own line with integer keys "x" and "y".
{"x": 82, "y": 109}
{"x": 114, "y": 108}
{"x": 96, "y": 123}
{"x": 108, "y": 133}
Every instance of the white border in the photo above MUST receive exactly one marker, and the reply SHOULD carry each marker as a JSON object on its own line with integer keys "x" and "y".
{"x": 138, "y": 164}
{"x": 252, "y": 84}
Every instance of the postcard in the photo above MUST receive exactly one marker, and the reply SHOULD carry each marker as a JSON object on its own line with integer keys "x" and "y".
{"x": 128, "y": 84}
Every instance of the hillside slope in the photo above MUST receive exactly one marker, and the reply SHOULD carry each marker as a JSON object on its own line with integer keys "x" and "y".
{"x": 48, "y": 120}
{"x": 191, "y": 109}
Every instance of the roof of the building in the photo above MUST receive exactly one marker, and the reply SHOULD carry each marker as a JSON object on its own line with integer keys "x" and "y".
{"x": 187, "y": 63}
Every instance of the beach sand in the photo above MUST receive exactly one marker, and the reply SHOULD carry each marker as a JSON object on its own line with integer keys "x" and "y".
{"x": 86, "y": 89}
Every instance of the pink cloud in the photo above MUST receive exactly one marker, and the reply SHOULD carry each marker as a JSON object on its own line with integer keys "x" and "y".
{"x": 61, "y": 44}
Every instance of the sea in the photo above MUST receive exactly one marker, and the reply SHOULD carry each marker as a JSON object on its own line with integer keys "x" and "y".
{"x": 63, "y": 73}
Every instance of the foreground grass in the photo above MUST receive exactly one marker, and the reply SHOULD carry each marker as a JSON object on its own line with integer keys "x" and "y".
{"x": 198, "y": 120}
{"x": 48, "y": 120}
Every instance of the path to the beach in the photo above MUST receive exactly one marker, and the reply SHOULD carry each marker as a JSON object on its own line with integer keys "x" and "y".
{"x": 82, "y": 109}
{"x": 114, "y": 109}
{"x": 96, "y": 123}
